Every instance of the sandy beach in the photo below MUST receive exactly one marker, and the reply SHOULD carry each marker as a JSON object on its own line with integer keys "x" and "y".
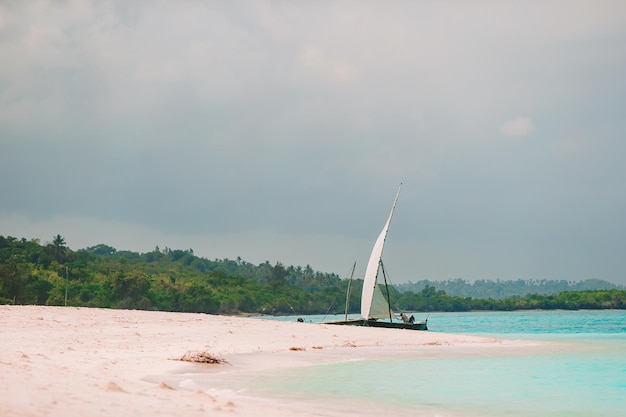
{"x": 67, "y": 361}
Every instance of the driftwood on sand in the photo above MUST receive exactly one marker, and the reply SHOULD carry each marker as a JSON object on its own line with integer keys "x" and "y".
{"x": 202, "y": 357}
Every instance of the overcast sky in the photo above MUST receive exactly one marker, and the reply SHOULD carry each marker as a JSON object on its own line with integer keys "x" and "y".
{"x": 280, "y": 130}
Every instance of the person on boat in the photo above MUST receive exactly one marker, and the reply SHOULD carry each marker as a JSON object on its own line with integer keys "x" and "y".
{"x": 404, "y": 318}
{"x": 412, "y": 319}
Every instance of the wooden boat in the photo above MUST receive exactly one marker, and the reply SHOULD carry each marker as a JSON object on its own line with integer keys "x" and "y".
{"x": 375, "y": 308}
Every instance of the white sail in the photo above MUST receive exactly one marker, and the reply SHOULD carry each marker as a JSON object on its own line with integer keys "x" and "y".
{"x": 379, "y": 308}
{"x": 373, "y": 304}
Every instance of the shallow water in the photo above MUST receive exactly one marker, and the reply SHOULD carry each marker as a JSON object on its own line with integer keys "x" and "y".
{"x": 582, "y": 372}
{"x": 584, "y": 381}
{"x": 579, "y": 371}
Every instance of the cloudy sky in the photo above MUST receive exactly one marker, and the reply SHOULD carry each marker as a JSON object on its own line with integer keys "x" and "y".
{"x": 280, "y": 130}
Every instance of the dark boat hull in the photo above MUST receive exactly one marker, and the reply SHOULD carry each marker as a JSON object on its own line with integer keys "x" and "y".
{"x": 420, "y": 325}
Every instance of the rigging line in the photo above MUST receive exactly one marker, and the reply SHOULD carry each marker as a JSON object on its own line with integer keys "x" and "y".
{"x": 348, "y": 291}
{"x": 336, "y": 295}
{"x": 330, "y": 306}
{"x": 391, "y": 284}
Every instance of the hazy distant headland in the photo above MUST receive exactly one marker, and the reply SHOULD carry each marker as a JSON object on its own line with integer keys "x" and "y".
{"x": 499, "y": 289}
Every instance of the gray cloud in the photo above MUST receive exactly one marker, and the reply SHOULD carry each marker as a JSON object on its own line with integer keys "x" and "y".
{"x": 520, "y": 126}
{"x": 207, "y": 122}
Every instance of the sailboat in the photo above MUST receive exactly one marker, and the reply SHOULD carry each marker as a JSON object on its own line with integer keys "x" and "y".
{"x": 375, "y": 308}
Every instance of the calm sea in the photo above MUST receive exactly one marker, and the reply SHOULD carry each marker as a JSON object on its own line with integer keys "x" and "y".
{"x": 580, "y": 372}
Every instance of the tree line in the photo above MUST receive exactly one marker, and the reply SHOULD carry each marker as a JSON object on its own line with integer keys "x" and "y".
{"x": 177, "y": 280}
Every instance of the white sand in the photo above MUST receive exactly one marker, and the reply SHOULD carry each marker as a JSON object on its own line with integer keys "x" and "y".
{"x": 66, "y": 361}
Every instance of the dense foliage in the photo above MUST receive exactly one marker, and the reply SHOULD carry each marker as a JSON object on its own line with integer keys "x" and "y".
{"x": 177, "y": 280}
{"x": 171, "y": 280}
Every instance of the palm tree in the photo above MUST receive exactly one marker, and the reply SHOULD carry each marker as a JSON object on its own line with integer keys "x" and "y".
{"x": 59, "y": 247}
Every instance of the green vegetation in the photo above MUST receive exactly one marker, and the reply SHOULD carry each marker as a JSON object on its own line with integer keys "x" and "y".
{"x": 177, "y": 280}
{"x": 169, "y": 280}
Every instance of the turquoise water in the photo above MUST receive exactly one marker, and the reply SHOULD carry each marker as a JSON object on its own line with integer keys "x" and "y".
{"x": 531, "y": 323}
{"x": 580, "y": 372}
{"x": 510, "y": 322}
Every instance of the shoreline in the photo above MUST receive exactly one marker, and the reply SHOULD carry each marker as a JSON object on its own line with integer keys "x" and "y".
{"x": 76, "y": 361}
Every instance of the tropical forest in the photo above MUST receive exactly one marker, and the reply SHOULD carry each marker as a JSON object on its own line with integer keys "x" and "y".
{"x": 32, "y": 272}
